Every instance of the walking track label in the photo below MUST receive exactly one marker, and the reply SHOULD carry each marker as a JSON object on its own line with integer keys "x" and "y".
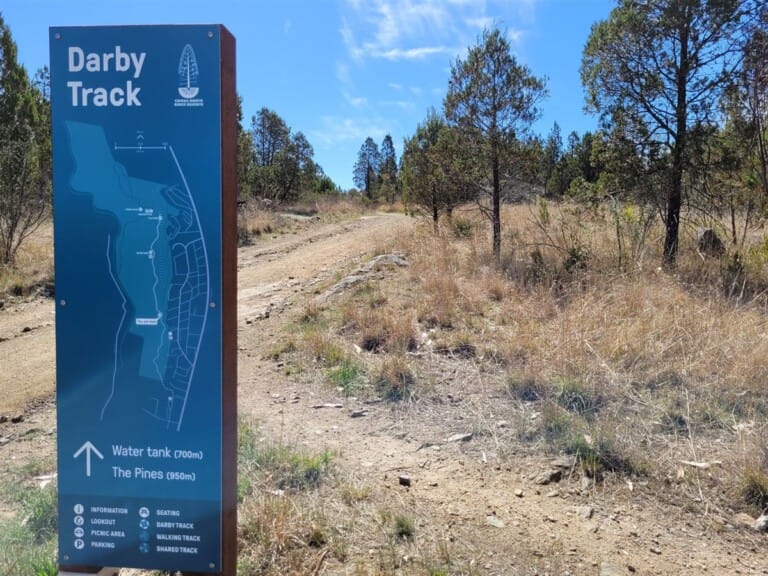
{"x": 138, "y": 249}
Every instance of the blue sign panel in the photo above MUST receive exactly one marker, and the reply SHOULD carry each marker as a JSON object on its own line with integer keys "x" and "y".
{"x": 137, "y": 203}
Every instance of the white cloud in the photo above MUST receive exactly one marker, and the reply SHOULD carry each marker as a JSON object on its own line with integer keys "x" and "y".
{"x": 479, "y": 22}
{"x": 403, "y": 30}
{"x": 412, "y": 53}
{"x": 337, "y": 130}
{"x": 401, "y": 104}
{"x": 355, "y": 101}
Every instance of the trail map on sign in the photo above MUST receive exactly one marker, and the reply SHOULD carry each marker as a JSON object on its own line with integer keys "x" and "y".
{"x": 157, "y": 261}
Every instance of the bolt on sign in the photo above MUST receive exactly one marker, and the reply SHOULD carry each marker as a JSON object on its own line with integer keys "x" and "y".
{"x": 144, "y": 128}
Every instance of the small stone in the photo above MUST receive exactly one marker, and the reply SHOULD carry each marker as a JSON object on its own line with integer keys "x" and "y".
{"x": 553, "y": 494}
{"x": 4, "y": 440}
{"x": 565, "y": 462}
{"x": 17, "y": 419}
{"x": 742, "y": 519}
{"x": 26, "y": 329}
{"x": 494, "y": 521}
{"x": 519, "y": 492}
{"x": 3, "y": 419}
{"x": 610, "y": 569}
{"x": 460, "y": 437}
{"x": 585, "y": 512}
{"x": 548, "y": 477}
{"x": 655, "y": 549}
{"x": 551, "y": 519}
{"x": 761, "y": 524}
{"x": 404, "y": 480}
{"x": 358, "y": 413}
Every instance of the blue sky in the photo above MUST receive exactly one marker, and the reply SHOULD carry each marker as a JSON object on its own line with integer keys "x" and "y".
{"x": 343, "y": 70}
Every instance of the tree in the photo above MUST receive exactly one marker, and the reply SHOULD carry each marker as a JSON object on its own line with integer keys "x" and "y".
{"x": 389, "y": 182}
{"x": 25, "y": 151}
{"x": 366, "y": 169}
{"x": 270, "y": 135}
{"x": 284, "y": 160}
{"x": 752, "y": 97}
{"x": 293, "y": 168}
{"x": 551, "y": 154}
{"x": 663, "y": 64}
{"x": 421, "y": 168}
{"x": 437, "y": 172}
{"x": 493, "y": 99}
{"x": 246, "y": 162}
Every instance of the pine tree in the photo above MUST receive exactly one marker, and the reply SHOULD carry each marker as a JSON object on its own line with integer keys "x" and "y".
{"x": 389, "y": 180}
{"x": 366, "y": 169}
{"x": 25, "y": 151}
{"x": 492, "y": 99}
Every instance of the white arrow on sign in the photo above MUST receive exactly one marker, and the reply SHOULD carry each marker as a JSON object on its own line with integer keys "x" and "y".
{"x": 88, "y": 448}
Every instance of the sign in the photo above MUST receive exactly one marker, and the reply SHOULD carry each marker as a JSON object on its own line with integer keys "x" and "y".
{"x": 145, "y": 250}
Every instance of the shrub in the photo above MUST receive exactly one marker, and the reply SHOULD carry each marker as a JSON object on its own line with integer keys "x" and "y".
{"x": 754, "y": 488}
{"x": 346, "y": 376}
{"x": 395, "y": 380}
{"x": 404, "y": 527}
{"x": 462, "y": 227}
{"x": 575, "y": 397}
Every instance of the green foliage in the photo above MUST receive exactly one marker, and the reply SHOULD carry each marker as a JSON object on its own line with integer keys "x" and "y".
{"x": 658, "y": 70}
{"x": 25, "y": 150}
{"x": 405, "y": 528}
{"x": 28, "y": 539}
{"x": 276, "y": 163}
{"x": 39, "y": 510}
{"x": 556, "y": 424}
{"x": 493, "y": 100}
{"x": 754, "y": 488}
{"x": 574, "y": 396}
{"x": 438, "y": 167}
{"x": 347, "y": 376}
{"x": 395, "y": 380}
{"x": 21, "y": 555}
{"x": 599, "y": 455}
{"x": 276, "y": 464}
{"x": 388, "y": 177}
{"x": 462, "y": 227}
{"x": 367, "y": 168}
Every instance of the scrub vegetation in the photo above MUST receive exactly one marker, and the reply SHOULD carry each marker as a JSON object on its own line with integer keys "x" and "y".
{"x": 601, "y": 301}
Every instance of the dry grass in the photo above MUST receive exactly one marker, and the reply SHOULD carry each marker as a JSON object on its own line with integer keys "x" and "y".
{"x": 632, "y": 368}
{"x": 335, "y": 523}
{"x": 33, "y": 270}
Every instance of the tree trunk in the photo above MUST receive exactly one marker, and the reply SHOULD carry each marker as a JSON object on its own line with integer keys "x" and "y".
{"x": 496, "y": 208}
{"x": 675, "y": 198}
{"x": 672, "y": 224}
{"x": 435, "y": 212}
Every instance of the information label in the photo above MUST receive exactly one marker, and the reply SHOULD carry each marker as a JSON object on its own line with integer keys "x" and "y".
{"x": 138, "y": 249}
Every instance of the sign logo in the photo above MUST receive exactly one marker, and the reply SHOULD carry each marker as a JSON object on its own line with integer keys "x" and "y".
{"x": 189, "y": 73}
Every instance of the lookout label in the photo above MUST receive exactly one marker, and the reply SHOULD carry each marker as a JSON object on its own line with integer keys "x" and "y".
{"x": 144, "y": 291}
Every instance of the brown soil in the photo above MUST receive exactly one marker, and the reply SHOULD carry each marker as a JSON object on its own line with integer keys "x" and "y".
{"x": 474, "y": 496}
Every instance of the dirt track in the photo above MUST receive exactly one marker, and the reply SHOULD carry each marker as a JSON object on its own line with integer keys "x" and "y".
{"x": 498, "y": 519}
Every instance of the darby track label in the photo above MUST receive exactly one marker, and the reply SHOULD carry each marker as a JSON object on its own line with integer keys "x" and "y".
{"x": 139, "y": 252}
{"x": 116, "y": 60}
